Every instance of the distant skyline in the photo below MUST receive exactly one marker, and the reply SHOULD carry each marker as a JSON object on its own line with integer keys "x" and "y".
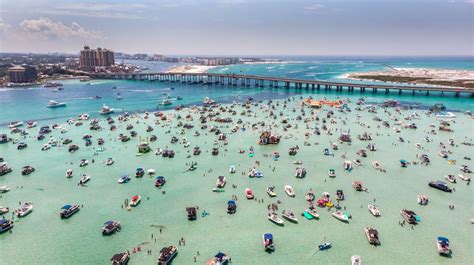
{"x": 241, "y": 27}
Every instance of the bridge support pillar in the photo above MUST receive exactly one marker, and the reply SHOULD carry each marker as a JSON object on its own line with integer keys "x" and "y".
{"x": 386, "y": 91}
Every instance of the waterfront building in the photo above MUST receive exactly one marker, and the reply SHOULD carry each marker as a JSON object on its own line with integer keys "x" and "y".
{"x": 22, "y": 74}
{"x": 92, "y": 58}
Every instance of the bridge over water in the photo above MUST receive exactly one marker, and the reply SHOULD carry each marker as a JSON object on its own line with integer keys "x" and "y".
{"x": 262, "y": 81}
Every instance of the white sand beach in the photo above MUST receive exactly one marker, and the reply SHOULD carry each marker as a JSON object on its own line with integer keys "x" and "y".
{"x": 190, "y": 69}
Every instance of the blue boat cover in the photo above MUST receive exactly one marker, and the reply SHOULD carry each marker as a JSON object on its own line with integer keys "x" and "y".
{"x": 108, "y": 222}
{"x": 231, "y": 202}
{"x": 219, "y": 255}
{"x": 67, "y": 206}
{"x": 443, "y": 239}
{"x": 3, "y": 221}
{"x": 268, "y": 236}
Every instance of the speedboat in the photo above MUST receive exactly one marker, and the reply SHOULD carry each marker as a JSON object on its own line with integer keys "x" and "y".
{"x": 24, "y": 209}
{"x": 274, "y": 218}
{"x": 5, "y": 225}
{"x": 249, "y": 193}
{"x": 356, "y": 260}
{"x": 31, "y": 124}
{"x": 442, "y": 245}
{"x": 340, "y": 216}
{"x": 450, "y": 178}
{"x": 310, "y": 196}
{"x": 220, "y": 183}
{"x": 332, "y": 173}
{"x": 83, "y": 163}
{"x": 124, "y": 179}
{"x": 120, "y": 258}
{"x": 445, "y": 115}
{"x": 110, "y": 161}
{"x": 135, "y": 200}
{"x": 208, "y": 102}
{"x": 69, "y": 173}
{"x": 372, "y": 236}
{"x": 312, "y": 212}
{"x": 4, "y": 210}
{"x": 110, "y": 227}
{"x": 324, "y": 246}
{"x": 106, "y": 110}
{"x": 219, "y": 259}
{"x": 271, "y": 191}
{"x": 26, "y": 170}
{"x": 339, "y": 195}
{"x": 15, "y": 124}
{"x": 464, "y": 177}
{"x": 422, "y": 200}
{"x": 160, "y": 181}
{"x": 358, "y": 186}
{"x": 374, "y": 210}
{"x": 4, "y": 169}
{"x": 167, "y": 254}
{"x": 84, "y": 179}
{"x": 348, "y": 165}
{"x": 232, "y": 169}
{"x": 139, "y": 172}
{"x": 166, "y": 102}
{"x": 289, "y": 191}
{"x": 289, "y": 215}
{"x": 231, "y": 207}
{"x": 376, "y": 165}
{"x": 4, "y": 189}
{"x": 68, "y": 210}
{"x": 440, "y": 185}
{"x": 268, "y": 242}
{"x": 54, "y": 104}
{"x": 409, "y": 216}
{"x": 192, "y": 213}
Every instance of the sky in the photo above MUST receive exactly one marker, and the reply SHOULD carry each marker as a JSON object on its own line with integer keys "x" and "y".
{"x": 240, "y": 27}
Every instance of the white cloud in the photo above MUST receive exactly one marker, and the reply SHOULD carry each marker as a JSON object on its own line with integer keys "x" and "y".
{"x": 4, "y": 26}
{"x": 46, "y": 28}
{"x": 469, "y": 1}
{"x": 314, "y": 7}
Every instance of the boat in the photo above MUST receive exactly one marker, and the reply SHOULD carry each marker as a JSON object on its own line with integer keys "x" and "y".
{"x": 348, "y": 165}
{"x": 151, "y": 172}
{"x": 31, "y": 124}
{"x": 110, "y": 161}
{"x": 84, "y": 179}
{"x": 192, "y": 213}
{"x": 271, "y": 191}
{"x": 358, "y": 186}
{"x": 274, "y": 218}
{"x": 339, "y": 195}
{"x": 110, "y": 227}
{"x": 312, "y": 212}
{"x": 445, "y": 115}
{"x": 220, "y": 183}
{"x": 465, "y": 169}
{"x": 69, "y": 173}
{"x": 15, "y": 124}
{"x": 232, "y": 169}
{"x": 83, "y": 163}
{"x": 120, "y": 258}
{"x": 5, "y": 225}
{"x": 135, "y": 200}
{"x": 139, "y": 172}
{"x": 464, "y": 177}
{"x": 4, "y": 189}
{"x": 374, "y": 210}
{"x": 332, "y": 173}
{"x": 440, "y": 185}
{"x": 409, "y": 216}
{"x": 167, "y": 254}
{"x": 376, "y": 165}
{"x": 450, "y": 178}
{"x": 25, "y": 209}
{"x": 324, "y": 246}
{"x": 268, "y": 244}
{"x": 442, "y": 245}
{"x": 124, "y": 179}
{"x": 4, "y": 169}
{"x": 289, "y": 191}
{"x": 358, "y": 162}
{"x": 340, "y": 216}
{"x": 219, "y": 259}
{"x": 4, "y": 210}
{"x": 208, "y": 102}
{"x": 372, "y": 236}
{"x": 160, "y": 181}
{"x": 356, "y": 260}
{"x": 52, "y": 104}
{"x": 166, "y": 102}
{"x": 106, "y": 110}
{"x": 68, "y": 210}
{"x": 422, "y": 200}
{"x": 249, "y": 194}
{"x": 310, "y": 196}
{"x": 289, "y": 215}
{"x": 231, "y": 207}
{"x": 26, "y": 170}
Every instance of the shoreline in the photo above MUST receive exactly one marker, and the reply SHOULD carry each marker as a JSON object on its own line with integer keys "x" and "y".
{"x": 426, "y": 76}
{"x": 190, "y": 69}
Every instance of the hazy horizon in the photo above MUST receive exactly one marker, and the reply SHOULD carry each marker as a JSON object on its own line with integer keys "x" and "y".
{"x": 241, "y": 27}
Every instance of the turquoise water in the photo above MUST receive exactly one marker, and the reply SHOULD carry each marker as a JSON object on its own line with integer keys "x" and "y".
{"x": 50, "y": 240}
{"x": 43, "y": 238}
